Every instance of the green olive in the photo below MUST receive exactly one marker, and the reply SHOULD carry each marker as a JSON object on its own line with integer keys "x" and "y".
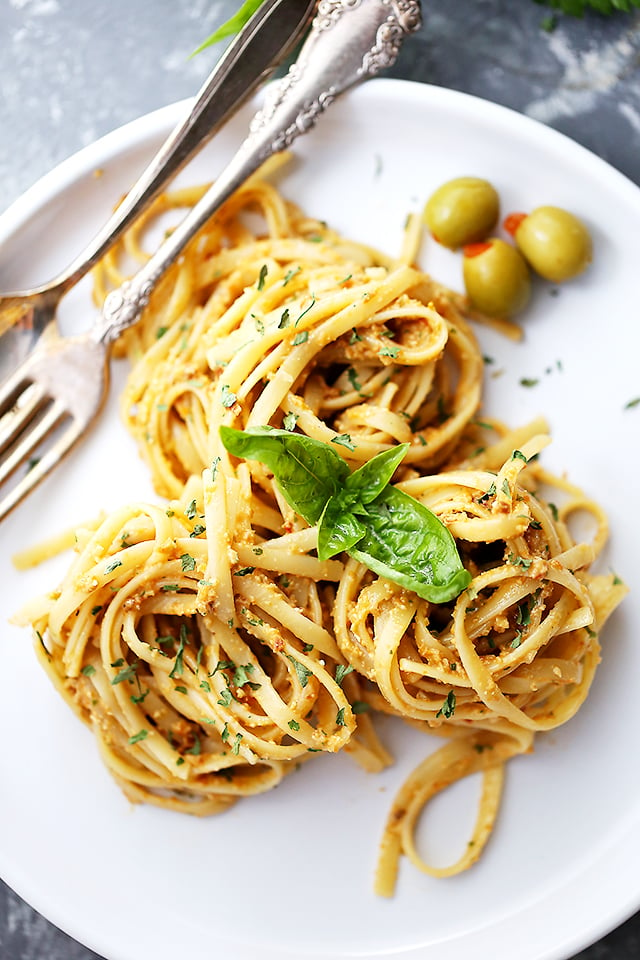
{"x": 462, "y": 211}
{"x": 496, "y": 278}
{"x": 555, "y": 243}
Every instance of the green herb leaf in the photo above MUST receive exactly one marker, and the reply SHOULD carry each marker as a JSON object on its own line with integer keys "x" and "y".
{"x": 340, "y": 722}
{"x": 369, "y": 480}
{"x": 228, "y": 398}
{"x": 387, "y": 530}
{"x": 307, "y": 471}
{"x": 137, "y": 737}
{"x": 339, "y": 528}
{"x": 448, "y": 707}
{"x": 359, "y": 706}
{"x": 342, "y": 671}
{"x": 89, "y": 670}
{"x": 231, "y": 26}
{"x": 178, "y": 666}
{"x": 406, "y": 543}
{"x": 344, "y": 440}
{"x": 294, "y": 725}
{"x": 127, "y": 673}
{"x": 303, "y": 672}
{"x": 289, "y": 421}
{"x": 188, "y": 562}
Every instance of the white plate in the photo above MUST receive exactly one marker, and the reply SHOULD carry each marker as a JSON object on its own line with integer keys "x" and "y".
{"x": 290, "y": 873}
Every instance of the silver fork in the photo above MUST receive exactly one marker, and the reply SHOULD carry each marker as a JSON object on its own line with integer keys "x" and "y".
{"x": 252, "y": 55}
{"x": 62, "y": 384}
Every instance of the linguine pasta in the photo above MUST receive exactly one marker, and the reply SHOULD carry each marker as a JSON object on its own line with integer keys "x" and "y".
{"x": 205, "y": 643}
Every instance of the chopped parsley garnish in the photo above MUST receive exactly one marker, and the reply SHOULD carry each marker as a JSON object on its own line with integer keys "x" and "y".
{"x": 302, "y": 672}
{"x": 140, "y": 735}
{"x": 191, "y": 510}
{"x": 289, "y": 421}
{"x": 344, "y": 440}
{"x": 235, "y": 749}
{"x": 240, "y": 674}
{"x": 305, "y": 311}
{"x": 127, "y": 673}
{"x": 491, "y": 492}
{"x": 188, "y": 562}
{"x": 263, "y": 276}
{"x": 294, "y": 725}
{"x": 448, "y": 707}
{"x": 342, "y": 671}
{"x": 359, "y": 706}
{"x": 301, "y": 337}
{"x": 353, "y": 379}
{"x": 243, "y": 572}
{"x": 89, "y": 670}
{"x": 228, "y": 398}
{"x": 340, "y": 721}
{"x": 178, "y": 666}
{"x": 289, "y": 275}
{"x": 529, "y": 381}
{"x": 110, "y": 567}
{"x": 389, "y": 352}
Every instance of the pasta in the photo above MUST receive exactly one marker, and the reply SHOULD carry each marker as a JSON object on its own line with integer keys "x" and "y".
{"x": 206, "y": 643}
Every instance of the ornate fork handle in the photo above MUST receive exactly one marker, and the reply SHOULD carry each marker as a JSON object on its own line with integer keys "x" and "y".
{"x": 349, "y": 41}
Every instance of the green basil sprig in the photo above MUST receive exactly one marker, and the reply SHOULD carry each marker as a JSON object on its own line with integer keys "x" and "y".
{"x": 390, "y": 532}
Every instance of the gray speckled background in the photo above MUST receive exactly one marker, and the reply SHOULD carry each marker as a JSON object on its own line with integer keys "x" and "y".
{"x": 71, "y": 70}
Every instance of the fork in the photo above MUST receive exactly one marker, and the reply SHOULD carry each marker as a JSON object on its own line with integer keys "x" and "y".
{"x": 61, "y": 386}
{"x": 252, "y": 55}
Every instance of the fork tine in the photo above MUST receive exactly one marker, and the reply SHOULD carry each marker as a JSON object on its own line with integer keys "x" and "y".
{"x": 11, "y": 388}
{"x": 45, "y": 465}
{"x": 17, "y": 417}
{"x": 29, "y": 443}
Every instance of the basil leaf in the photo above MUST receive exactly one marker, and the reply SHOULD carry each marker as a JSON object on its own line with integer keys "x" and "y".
{"x": 372, "y": 477}
{"x": 405, "y": 542}
{"x": 339, "y": 529}
{"x": 307, "y": 471}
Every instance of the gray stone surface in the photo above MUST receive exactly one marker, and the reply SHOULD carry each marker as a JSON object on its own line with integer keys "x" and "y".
{"x": 70, "y": 71}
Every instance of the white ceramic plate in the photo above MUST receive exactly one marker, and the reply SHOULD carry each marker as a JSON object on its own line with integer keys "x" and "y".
{"x": 290, "y": 873}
